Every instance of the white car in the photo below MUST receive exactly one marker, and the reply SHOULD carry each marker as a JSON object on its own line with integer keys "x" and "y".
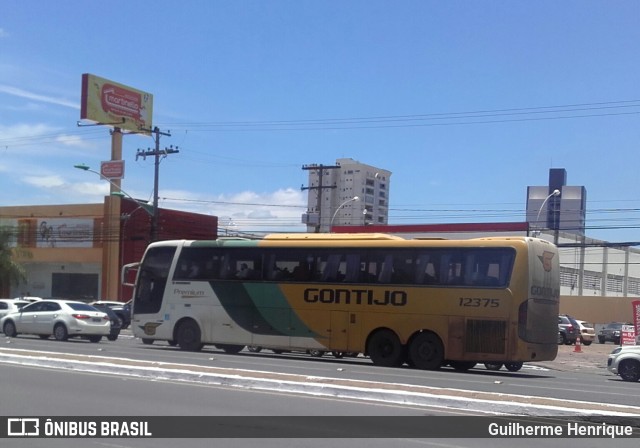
{"x": 625, "y": 361}
{"x": 61, "y": 318}
{"x": 587, "y": 332}
{"x": 10, "y": 305}
{"x": 28, "y": 298}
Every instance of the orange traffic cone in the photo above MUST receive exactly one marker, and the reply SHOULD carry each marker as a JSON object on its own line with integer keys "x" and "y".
{"x": 578, "y": 347}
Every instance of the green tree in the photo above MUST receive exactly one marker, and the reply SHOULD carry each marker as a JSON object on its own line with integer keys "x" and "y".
{"x": 11, "y": 272}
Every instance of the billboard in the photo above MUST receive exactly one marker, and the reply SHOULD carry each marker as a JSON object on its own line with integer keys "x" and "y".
{"x": 107, "y": 102}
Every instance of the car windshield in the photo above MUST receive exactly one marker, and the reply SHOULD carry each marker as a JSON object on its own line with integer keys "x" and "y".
{"x": 587, "y": 324}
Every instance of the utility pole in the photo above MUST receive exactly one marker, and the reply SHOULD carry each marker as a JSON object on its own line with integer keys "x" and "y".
{"x": 319, "y": 187}
{"x": 156, "y": 153}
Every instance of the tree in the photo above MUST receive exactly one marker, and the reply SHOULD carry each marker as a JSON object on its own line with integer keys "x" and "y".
{"x": 11, "y": 272}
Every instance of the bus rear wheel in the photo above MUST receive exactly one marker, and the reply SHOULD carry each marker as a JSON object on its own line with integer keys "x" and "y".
{"x": 385, "y": 349}
{"x": 462, "y": 366}
{"x": 493, "y": 365}
{"x": 230, "y": 348}
{"x": 426, "y": 351}
{"x": 189, "y": 338}
{"x": 513, "y": 366}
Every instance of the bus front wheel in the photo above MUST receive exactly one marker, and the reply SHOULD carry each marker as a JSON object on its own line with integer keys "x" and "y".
{"x": 385, "y": 349}
{"x": 189, "y": 338}
{"x": 426, "y": 351}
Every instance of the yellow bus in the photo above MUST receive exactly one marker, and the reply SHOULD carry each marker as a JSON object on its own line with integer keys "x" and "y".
{"x": 423, "y": 302}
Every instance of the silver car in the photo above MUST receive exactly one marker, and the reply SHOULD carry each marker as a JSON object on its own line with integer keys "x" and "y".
{"x": 61, "y": 318}
{"x": 625, "y": 361}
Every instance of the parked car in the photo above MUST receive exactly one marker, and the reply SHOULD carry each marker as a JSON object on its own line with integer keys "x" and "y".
{"x": 8, "y": 306}
{"x": 28, "y": 298}
{"x": 122, "y": 309}
{"x": 587, "y": 332}
{"x": 611, "y": 332}
{"x": 61, "y": 318}
{"x": 569, "y": 329}
{"x": 625, "y": 361}
{"x": 116, "y": 322}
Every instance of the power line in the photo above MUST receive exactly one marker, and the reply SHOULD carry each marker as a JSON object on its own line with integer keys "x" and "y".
{"x": 385, "y": 121}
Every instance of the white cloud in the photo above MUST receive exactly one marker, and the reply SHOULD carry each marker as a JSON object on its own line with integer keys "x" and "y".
{"x": 23, "y": 131}
{"x": 72, "y": 140}
{"x": 15, "y": 91}
{"x": 52, "y": 181}
{"x": 278, "y": 210}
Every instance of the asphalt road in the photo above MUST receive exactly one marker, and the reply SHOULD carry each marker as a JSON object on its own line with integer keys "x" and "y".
{"x": 45, "y": 392}
{"x": 573, "y": 376}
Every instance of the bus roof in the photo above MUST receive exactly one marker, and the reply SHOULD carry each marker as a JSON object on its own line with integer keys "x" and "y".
{"x": 331, "y": 236}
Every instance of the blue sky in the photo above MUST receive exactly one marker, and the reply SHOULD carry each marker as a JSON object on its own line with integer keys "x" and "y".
{"x": 465, "y": 102}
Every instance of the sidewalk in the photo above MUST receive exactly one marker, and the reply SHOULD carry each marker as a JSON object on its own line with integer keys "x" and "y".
{"x": 590, "y": 359}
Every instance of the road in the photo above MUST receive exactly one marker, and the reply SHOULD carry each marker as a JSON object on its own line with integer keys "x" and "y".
{"x": 575, "y": 381}
{"x": 44, "y": 392}
{"x": 211, "y": 382}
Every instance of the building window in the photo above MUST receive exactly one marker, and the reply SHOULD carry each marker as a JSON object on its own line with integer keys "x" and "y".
{"x": 634, "y": 287}
{"x": 614, "y": 283}
{"x": 592, "y": 280}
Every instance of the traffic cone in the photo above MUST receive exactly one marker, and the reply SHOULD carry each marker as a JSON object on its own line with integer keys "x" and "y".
{"x": 578, "y": 347}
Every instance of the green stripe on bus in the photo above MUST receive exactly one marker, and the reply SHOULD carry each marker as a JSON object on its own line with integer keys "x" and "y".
{"x": 260, "y": 308}
{"x": 275, "y": 309}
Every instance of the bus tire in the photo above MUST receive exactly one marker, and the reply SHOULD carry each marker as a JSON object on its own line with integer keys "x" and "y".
{"x": 426, "y": 351}
{"x": 384, "y": 349}
{"x": 513, "y": 366}
{"x": 189, "y": 336}
{"x": 462, "y": 366}
{"x": 230, "y": 348}
{"x": 493, "y": 365}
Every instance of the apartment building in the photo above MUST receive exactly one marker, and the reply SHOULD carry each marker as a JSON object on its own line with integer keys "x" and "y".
{"x": 347, "y": 193}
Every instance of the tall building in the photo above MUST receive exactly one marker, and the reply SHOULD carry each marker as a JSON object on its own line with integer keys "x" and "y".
{"x": 347, "y": 193}
{"x": 557, "y": 207}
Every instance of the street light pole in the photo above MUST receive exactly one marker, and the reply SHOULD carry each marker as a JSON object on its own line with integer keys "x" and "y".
{"x": 555, "y": 192}
{"x": 353, "y": 199}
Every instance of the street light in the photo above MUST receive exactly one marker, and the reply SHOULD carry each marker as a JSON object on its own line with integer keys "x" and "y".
{"x": 555, "y": 192}
{"x": 353, "y": 199}
{"x": 120, "y": 191}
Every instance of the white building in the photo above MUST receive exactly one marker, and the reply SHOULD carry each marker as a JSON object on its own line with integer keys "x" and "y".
{"x": 347, "y": 193}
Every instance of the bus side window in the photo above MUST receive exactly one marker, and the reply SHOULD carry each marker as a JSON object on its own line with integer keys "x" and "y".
{"x": 353, "y": 274}
{"x": 331, "y": 270}
{"x": 452, "y": 270}
{"x": 226, "y": 271}
{"x": 387, "y": 270}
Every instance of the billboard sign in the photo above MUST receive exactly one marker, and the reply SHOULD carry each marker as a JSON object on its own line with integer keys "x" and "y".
{"x": 636, "y": 318}
{"x": 107, "y": 102}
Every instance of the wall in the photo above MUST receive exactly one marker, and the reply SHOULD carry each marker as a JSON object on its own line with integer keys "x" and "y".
{"x": 598, "y": 310}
